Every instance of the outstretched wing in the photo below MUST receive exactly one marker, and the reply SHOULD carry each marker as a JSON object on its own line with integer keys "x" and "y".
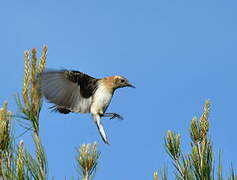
{"x": 68, "y": 90}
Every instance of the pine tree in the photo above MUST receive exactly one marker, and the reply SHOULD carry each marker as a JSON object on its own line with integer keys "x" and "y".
{"x": 16, "y": 163}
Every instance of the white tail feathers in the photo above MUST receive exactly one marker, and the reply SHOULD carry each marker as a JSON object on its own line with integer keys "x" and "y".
{"x": 100, "y": 127}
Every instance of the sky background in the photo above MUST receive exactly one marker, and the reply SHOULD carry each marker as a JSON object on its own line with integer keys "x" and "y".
{"x": 177, "y": 54}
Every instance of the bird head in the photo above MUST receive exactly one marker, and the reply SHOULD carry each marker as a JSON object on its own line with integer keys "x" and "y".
{"x": 115, "y": 82}
{"x": 120, "y": 82}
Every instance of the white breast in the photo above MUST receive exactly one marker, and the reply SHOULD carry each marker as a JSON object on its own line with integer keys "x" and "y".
{"x": 101, "y": 100}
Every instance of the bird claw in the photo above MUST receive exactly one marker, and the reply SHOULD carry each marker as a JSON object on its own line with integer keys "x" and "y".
{"x": 115, "y": 115}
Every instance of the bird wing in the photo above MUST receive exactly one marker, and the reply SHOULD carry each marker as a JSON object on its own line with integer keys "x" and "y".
{"x": 71, "y": 90}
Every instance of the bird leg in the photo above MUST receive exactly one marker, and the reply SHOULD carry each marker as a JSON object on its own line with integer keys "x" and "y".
{"x": 112, "y": 115}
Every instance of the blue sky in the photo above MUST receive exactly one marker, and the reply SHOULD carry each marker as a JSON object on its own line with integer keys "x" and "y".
{"x": 177, "y": 54}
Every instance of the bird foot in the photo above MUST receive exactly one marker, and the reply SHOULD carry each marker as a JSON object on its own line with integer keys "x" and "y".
{"x": 113, "y": 115}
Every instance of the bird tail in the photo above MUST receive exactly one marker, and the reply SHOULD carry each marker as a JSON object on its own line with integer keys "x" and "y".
{"x": 100, "y": 128}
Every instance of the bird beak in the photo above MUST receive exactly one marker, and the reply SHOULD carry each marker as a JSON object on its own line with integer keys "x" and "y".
{"x": 130, "y": 85}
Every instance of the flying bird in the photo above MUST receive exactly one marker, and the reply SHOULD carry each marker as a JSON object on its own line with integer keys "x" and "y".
{"x": 74, "y": 91}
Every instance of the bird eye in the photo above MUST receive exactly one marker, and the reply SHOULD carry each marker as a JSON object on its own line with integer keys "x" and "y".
{"x": 122, "y": 80}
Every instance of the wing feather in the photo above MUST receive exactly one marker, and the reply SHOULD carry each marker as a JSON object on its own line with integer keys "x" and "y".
{"x": 71, "y": 90}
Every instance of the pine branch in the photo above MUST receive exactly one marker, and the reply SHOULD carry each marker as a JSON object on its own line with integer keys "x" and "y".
{"x": 87, "y": 160}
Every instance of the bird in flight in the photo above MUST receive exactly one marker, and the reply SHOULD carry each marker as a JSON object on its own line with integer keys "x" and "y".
{"x": 74, "y": 91}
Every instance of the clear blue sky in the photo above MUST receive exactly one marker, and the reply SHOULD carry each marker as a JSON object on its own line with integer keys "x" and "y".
{"x": 177, "y": 54}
